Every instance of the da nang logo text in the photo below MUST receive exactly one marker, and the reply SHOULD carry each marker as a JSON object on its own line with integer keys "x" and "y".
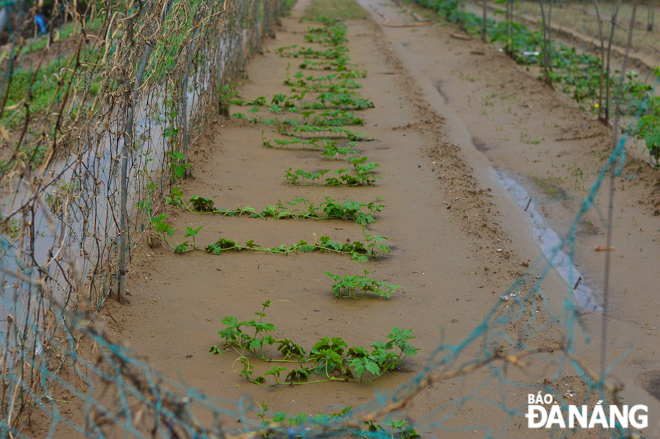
{"x": 539, "y": 416}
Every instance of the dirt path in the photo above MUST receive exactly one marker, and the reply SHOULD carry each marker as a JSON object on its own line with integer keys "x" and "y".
{"x": 458, "y": 238}
{"x": 494, "y": 109}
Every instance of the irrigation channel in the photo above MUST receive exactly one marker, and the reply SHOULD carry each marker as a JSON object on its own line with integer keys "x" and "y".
{"x": 465, "y": 174}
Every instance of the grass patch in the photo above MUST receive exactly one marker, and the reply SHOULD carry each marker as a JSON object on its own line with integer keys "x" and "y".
{"x": 337, "y": 9}
{"x": 43, "y": 91}
{"x": 550, "y": 186}
{"x": 62, "y": 33}
{"x": 44, "y": 88}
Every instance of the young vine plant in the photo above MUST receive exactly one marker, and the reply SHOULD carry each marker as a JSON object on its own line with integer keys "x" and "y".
{"x": 359, "y": 286}
{"x": 330, "y": 359}
{"x": 298, "y": 208}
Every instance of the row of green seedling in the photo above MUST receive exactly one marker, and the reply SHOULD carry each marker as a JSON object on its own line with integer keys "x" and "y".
{"x": 360, "y": 251}
{"x": 363, "y": 177}
{"x": 308, "y": 52}
{"x": 328, "y": 79}
{"x": 342, "y": 100}
{"x": 340, "y": 64}
{"x": 580, "y": 75}
{"x": 281, "y": 425}
{"x": 330, "y": 359}
{"x": 330, "y": 34}
{"x": 312, "y": 131}
{"x": 298, "y": 208}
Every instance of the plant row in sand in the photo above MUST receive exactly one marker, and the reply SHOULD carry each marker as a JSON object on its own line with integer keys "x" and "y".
{"x": 337, "y": 98}
{"x": 330, "y": 359}
{"x": 298, "y": 208}
{"x": 281, "y": 425}
{"x": 361, "y": 251}
{"x": 321, "y": 129}
{"x": 342, "y": 176}
{"x": 328, "y": 118}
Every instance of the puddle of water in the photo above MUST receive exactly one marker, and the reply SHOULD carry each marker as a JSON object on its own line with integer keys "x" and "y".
{"x": 549, "y": 241}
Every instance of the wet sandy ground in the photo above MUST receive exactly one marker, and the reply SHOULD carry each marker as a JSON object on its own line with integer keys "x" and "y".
{"x": 445, "y": 118}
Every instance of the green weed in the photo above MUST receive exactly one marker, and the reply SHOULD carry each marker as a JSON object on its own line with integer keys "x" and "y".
{"x": 343, "y": 178}
{"x": 328, "y": 10}
{"x": 550, "y": 186}
{"x": 310, "y": 131}
{"x": 347, "y": 286}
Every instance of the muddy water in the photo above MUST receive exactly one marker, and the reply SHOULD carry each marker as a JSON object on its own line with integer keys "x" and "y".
{"x": 446, "y": 219}
{"x": 550, "y": 242}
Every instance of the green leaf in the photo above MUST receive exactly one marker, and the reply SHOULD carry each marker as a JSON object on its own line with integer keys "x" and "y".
{"x": 192, "y": 232}
{"x": 231, "y": 321}
{"x": 158, "y": 219}
{"x": 201, "y": 204}
{"x": 181, "y": 248}
{"x": 358, "y": 366}
{"x": 395, "y": 423}
{"x": 297, "y": 374}
{"x": 358, "y": 351}
{"x": 289, "y": 348}
{"x": 170, "y": 132}
{"x": 344, "y": 412}
{"x": 397, "y": 334}
{"x": 279, "y": 417}
{"x": 275, "y": 371}
{"x": 164, "y": 228}
{"x": 357, "y": 257}
{"x": 372, "y": 367}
